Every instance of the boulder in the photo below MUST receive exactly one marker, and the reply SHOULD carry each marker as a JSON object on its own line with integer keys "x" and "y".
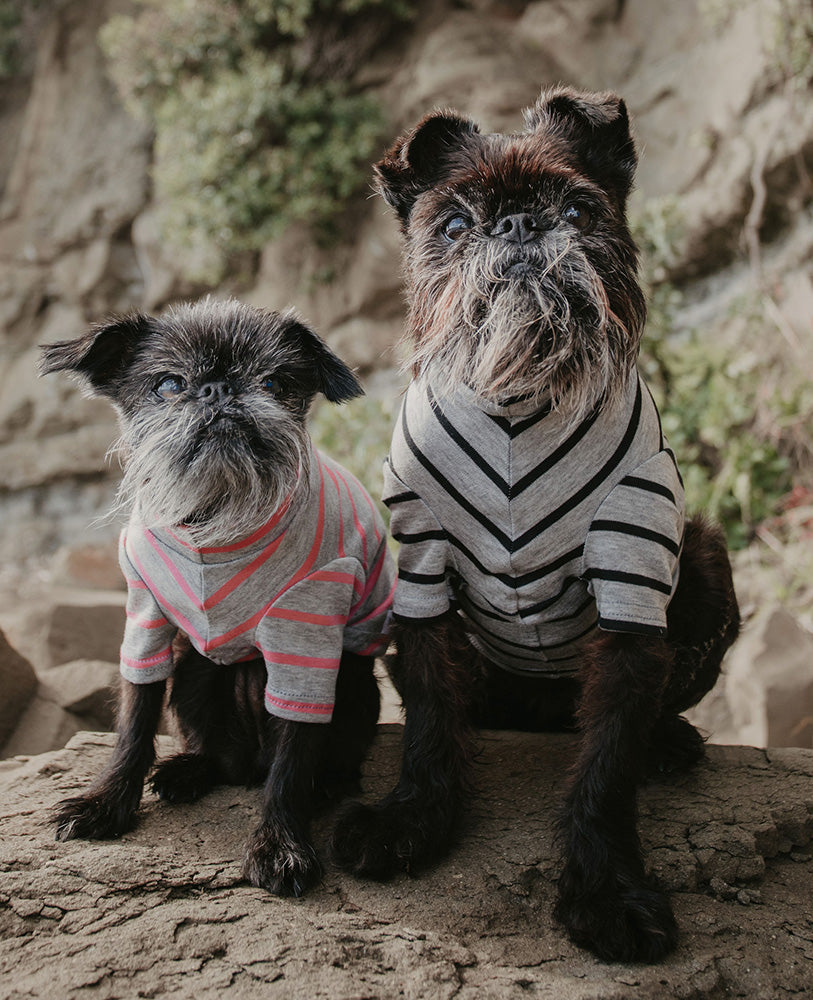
{"x": 163, "y": 910}
{"x": 85, "y": 632}
{"x": 769, "y": 683}
{"x": 43, "y": 726}
{"x": 18, "y": 684}
{"x": 86, "y": 688}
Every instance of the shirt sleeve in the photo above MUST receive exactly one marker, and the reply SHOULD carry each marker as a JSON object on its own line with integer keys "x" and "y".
{"x": 424, "y": 557}
{"x": 631, "y": 557}
{"x": 146, "y": 650}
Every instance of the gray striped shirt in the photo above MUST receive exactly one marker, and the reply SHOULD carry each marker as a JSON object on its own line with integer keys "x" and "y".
{"x": 536, "y": 528}
{"x": 316, "y": 579}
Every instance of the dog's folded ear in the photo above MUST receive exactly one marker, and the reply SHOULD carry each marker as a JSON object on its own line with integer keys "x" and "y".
{"x": 597, "y": 127}
{"x": 334, "y": 379}
{"x": 100, "y": 357}
{"x": 419, "y": 159}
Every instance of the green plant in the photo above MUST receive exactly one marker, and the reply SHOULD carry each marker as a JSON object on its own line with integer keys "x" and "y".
{"x": 358, "y": 435}
{"x": 256, "y": 124}
{"x": 735, "y": 415}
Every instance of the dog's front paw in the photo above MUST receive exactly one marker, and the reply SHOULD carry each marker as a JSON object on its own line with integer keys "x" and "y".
{"x": 185, "y": 777}
{"x": 95, "y": 816}
{"x": 378, "y": 841}
{"x": 634, "y": 924}
{"x": 279, "y": 863}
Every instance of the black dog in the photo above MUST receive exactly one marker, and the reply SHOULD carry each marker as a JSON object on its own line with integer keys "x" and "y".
{"x": 546, "y": 578}
{"x": 258, "y": 574}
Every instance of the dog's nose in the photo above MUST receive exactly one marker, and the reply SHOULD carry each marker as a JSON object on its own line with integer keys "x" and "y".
{"x": 215, "y": 392}
{"x": 519, "y": 228}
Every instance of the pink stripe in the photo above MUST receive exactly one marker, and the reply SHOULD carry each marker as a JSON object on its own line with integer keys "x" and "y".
{"x": 244, "y": 574}
{"x": 384, "y": 606}
{"x": 151, "y": 661}
{"x": 306, "y": 616}
{"x": 372, "y": 579}
{"x": 332, "y": 576}
{"x": 375, "y": 647}
{"x": 135, "y": 584}
{"x": 173, "y": 569}
{"x": 300, "y": 574}
{"x": 359, "y": 527}
{"x": 146, "y": 622}
{"x": 179, "y": 619}
{"x": 373, "y": 511}
{"x": 244, "y": 542}
{"x": 300, "y": 706}
{"x": 340, "y": 519}
{"x": 300, "y": 660}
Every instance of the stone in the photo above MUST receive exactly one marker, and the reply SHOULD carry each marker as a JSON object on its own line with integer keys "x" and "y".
{"x": 43, "y": 726}
{"x": 163, "y": 909}
{"x": 88, "y": 566}
{"x": 85, "y": 632}
{"x": 86, "y": 688}
{"x": 769, "y": 683}
{"x": 18, "y": 684}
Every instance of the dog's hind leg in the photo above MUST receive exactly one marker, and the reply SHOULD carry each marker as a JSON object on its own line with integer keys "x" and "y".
{"x": 352, "y": 728}
{"x": 108, "y": 807}
{"x": 703, "y": 620}
{"x": 219, "y": 714}
{"x": 435, "y": 675}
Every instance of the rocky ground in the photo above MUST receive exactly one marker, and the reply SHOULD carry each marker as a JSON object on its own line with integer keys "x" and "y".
{"x": 163, "y": 910}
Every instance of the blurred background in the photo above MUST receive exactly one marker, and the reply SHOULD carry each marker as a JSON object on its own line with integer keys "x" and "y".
{"x": 156, "y": 150}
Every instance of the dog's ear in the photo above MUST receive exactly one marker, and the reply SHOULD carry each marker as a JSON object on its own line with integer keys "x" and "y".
{"x": 597, "y": 126}
{"x": 334, "y": 379}
{"x": 100, "y": 357}
{"x": 420, "y": 159}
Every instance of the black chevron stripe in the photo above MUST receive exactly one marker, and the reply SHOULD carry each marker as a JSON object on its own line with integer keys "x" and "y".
{"x": 646, "y": 484}
{"x": 590, "y": 485}
{"x": 555, "y": 456}
{"x": 450, "y": 489}
{"x": 621, "y": 576}
{"x": 622, "y": 528}
{"x": 465, "y": 446}
{"x": 514, "y": 545}
{"x": 516, "y": 582}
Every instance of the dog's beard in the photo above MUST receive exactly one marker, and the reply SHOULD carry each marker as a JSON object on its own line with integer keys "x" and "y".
{"x": 222, "y": 478}
{"x": 538, "y": 327}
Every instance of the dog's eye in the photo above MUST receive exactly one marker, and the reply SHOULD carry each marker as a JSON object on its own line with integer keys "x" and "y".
{"x": 455, "y": 227}
{"x": 577, "y": 215}
{"x": 270, "y": 384}
{"x": 171, "y": 385}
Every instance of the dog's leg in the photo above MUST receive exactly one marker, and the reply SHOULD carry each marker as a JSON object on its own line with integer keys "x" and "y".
{"x": 605, "y": 900}
{"x": 108, "y": 807}
{"x": 704, "y": 621}
{"x": 279, "y": 856}
{"x": 199, "y": 709}
{"x": 414, "y": 824}
{"x": 352, "y": 728}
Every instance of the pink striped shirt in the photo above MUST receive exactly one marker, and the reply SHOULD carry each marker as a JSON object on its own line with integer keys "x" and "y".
{"x": 315, "y": 580}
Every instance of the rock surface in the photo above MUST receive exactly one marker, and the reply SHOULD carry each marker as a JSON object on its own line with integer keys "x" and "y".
{"x": 18, "y": 683}
{"x": 163, "y": 910}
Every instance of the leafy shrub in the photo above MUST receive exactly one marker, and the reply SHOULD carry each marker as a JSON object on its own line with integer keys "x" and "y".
{"x": 735, "y": 411}
{"x": 256, "y": 124}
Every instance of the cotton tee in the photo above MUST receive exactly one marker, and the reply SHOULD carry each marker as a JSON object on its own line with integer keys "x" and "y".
{"x": 536, "y": 529}
{"x": 315, "y": 580}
